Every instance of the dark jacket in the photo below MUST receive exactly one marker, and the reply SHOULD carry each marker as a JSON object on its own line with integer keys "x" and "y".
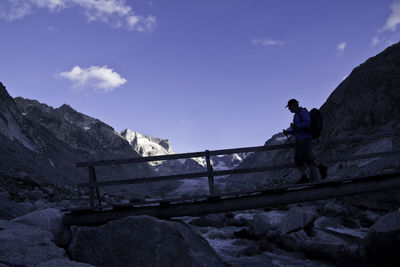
{"x": 302, "y": 121}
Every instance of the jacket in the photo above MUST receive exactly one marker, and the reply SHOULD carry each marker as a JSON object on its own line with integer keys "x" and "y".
{"x": 302, "y": 121}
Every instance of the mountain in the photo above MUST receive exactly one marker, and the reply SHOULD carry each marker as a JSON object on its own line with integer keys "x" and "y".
{"x": 146, "y": 145}
{"x": 44, "y": 144}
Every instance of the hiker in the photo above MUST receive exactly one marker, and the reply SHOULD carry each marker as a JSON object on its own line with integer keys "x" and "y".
{"x": 303, "y": 152}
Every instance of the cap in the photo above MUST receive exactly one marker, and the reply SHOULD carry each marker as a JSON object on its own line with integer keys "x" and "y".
{"x": 291, "y": 102}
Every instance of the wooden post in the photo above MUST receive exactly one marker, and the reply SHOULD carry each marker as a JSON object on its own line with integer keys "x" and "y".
{"x": 210, "y": 171}
{"x": 93, "y": 179}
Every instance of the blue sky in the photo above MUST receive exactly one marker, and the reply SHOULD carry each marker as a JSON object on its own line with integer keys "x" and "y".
{"x": 206, "y": 74}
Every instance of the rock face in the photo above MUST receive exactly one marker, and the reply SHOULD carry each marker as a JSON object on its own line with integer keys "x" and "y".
{"x": 24, "y": 245}
{"x": 141, "y": 241}
{"x": 382, "y": 243}
{"x": 50, "y": 220}
{"x": 370, "y": 94}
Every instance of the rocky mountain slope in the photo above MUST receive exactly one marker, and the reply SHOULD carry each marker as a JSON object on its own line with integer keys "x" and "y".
{"x": 44, "y": 144}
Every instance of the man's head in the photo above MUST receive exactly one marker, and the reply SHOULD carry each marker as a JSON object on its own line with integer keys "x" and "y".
{"x": 293, "y": 105}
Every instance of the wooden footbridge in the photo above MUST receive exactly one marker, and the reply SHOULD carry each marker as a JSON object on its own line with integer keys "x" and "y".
{"x": 214, "y": 202}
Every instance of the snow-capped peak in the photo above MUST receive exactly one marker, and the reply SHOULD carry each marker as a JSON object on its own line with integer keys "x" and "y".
{"x": 146, "y": 145}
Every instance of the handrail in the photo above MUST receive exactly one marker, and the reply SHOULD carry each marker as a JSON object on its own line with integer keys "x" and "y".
{"x": 227, "y": 172}
{"x": 226, "y": 151}
{"x": 210, "y": 173}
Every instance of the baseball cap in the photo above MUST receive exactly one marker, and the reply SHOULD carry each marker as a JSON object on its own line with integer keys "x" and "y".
{"x": 292, "y": 101}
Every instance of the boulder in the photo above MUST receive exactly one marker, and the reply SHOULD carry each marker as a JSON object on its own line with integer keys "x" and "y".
{"x": 216, "y": 220}
{"x": 329, "y": 251}
{"x": 334, "y": 225}
{"x": 263, "y": 223}
{"x": 382, "y": 244}
{"x": 297, "y": 218}
{"x": 334, "y": 209}
{"x": 11, "y": 209}
{"x": 35, "y": 195}
{"x": 293, "y": 241}
{"x": 141, "y": 241}
{"x": 51, "y": 220}
{"x": 25, "y": 245}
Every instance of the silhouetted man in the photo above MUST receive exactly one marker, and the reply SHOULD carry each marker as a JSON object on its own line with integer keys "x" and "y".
{"x": 303, "y": 152}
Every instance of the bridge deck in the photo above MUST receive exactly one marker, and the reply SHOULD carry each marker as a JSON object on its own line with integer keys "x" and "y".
{"x": 205, "y": 204}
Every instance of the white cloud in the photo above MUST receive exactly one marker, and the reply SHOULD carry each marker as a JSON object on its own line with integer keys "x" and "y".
{"x": 375, "y": 41}
{"x": 13, "y": 10}
{"x": 340, "y": 47}
{"x": 266, "y": 42}
{"x": 394, "y": 18}
{"x": 114, "y": 12}
{"x": 98, "y": 78}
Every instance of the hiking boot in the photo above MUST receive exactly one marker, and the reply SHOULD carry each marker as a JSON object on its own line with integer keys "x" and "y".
{"x": 303, "y": 179}
{"x": 323, "y": 170}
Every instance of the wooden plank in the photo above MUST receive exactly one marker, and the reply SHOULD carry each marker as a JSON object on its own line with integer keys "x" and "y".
{"x": 210, "y": 170}
{"x": 301, "y": 194}
{"x": 91, "y": 186}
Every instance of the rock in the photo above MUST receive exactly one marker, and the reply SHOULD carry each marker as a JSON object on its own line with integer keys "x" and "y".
{"x": 40, "y": 204}
{"x": 216, "y": 220}
{"x": 63, "y": 263}
{"x": 141, "y": 241}
{"x": 293, "y": 241}
{"x": 35, "y": 195}
{"x": 297, "y": 218}
{"x": 265, "y": 245}
{"x": 322, "y": 250}
{"x": 333, "y": 209}
{"x": 334, "y": 225}
{"x": 366, "y": 217}
{"x": 51, "y": 220}
{"x": 236, "y": 222}
{"x": 262, "y": 223}
{"x": 248, "y": 251}
{"x": 382, "y": 244}
{"x": 321, "y": 235}
{"x": 25, "y": 245}
{"x": 10, "y": 209}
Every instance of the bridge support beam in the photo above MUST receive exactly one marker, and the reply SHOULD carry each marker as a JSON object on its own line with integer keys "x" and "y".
{"x": 256, "y": 200}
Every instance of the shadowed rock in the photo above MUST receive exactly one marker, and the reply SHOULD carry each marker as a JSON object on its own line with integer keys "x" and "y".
{"x": 382, "y": 243}
{"x": 141, "y": 241}
{"x": 24, "y": 245}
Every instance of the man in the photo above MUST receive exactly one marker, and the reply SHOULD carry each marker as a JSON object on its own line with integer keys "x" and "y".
{"x": 303, "y": 154}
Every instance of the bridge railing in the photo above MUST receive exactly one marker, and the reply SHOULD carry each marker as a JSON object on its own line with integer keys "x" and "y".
{"x": 94, "y": 185}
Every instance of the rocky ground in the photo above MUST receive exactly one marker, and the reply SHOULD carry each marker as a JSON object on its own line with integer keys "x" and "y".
{"x": 324, "y": 233}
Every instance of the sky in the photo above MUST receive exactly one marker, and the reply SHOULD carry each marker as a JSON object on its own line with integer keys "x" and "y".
{"x": 205, "y": 74}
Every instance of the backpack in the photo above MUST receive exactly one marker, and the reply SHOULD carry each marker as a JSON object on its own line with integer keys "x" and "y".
{"x": 316, "y": 123}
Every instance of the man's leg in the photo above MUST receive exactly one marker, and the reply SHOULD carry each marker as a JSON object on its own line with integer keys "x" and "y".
{"x": 308, "y": 157}
{"x": 298, "y": 159}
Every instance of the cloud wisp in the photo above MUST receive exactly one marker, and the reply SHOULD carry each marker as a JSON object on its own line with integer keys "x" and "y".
{"x": 95, "y": 77}
{"x": 267, "y": 42}
{"x": 387, "y": 34}
{"x": 341, "y": 47}
{"x": 394, "y": 18}
{"x": 117, "y": 13}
